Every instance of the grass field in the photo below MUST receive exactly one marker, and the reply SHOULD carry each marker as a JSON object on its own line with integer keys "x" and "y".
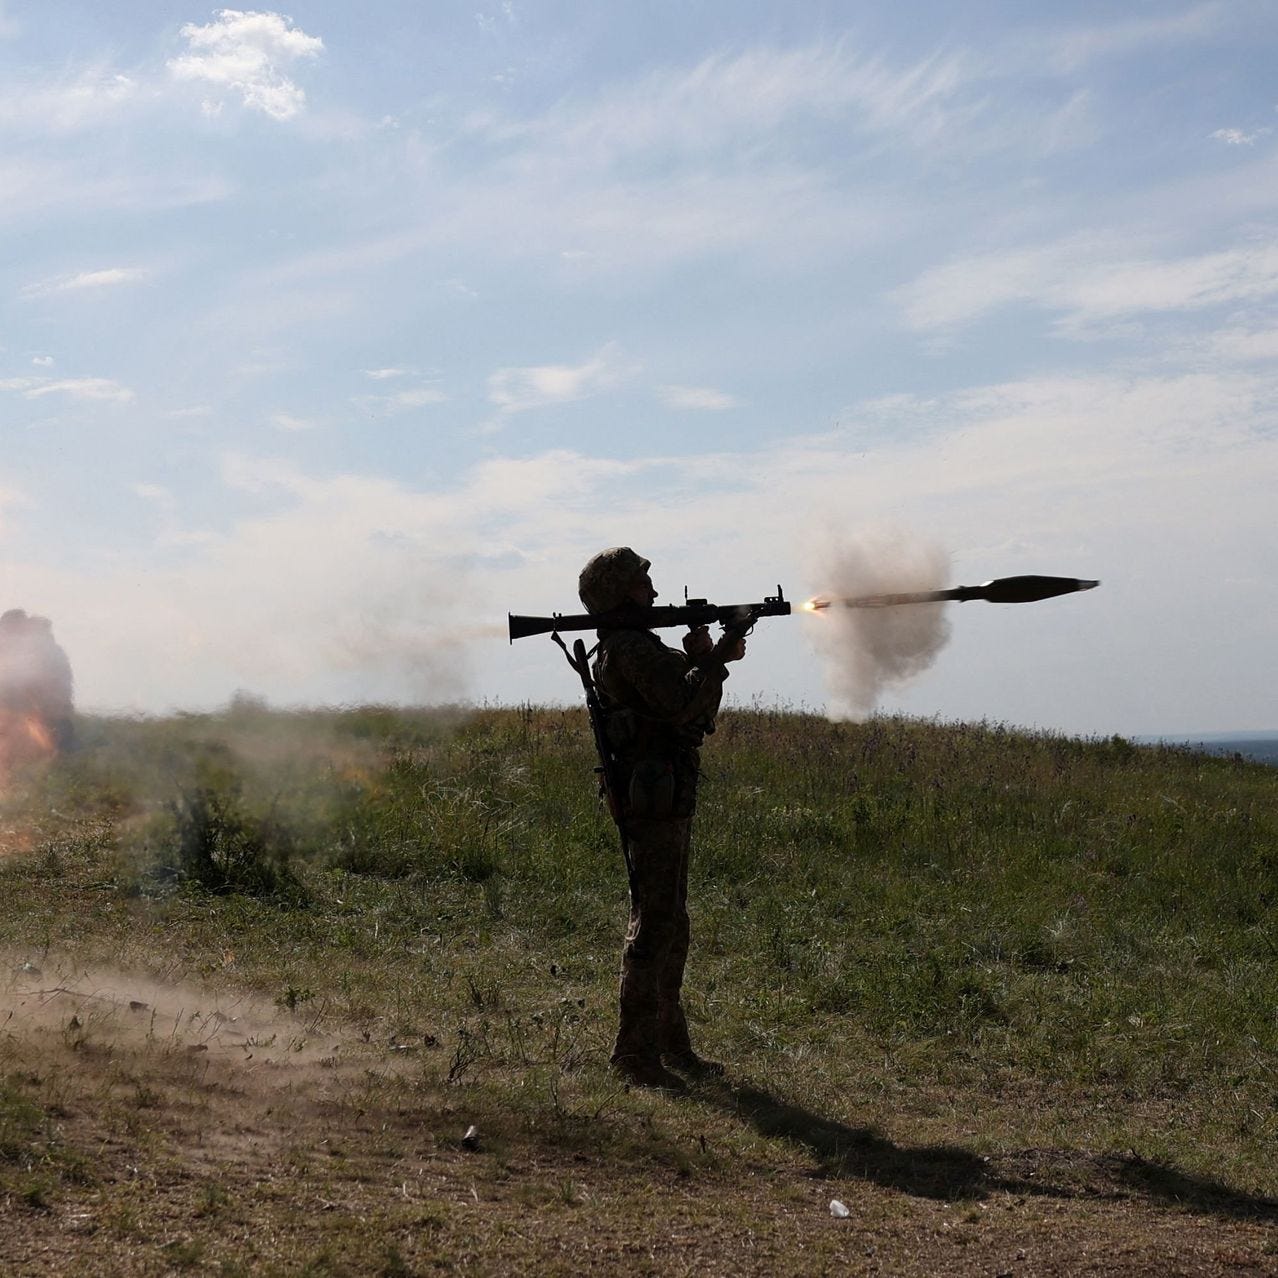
{"x": 1012, "y": 999}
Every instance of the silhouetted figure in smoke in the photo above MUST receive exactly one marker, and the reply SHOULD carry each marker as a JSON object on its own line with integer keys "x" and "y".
{"x": 35, "y": 677}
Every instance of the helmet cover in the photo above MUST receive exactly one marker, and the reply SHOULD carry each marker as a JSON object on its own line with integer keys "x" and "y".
{"x": 604, "y": 583}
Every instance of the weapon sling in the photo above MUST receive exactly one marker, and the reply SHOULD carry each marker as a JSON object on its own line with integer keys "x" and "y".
{"x": 609, "y": 781}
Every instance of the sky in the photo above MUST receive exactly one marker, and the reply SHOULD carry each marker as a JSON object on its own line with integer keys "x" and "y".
{"x": 329, "y": 337}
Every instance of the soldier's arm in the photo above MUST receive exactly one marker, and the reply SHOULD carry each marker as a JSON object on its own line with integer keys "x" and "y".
{"x": 672, "y": 687}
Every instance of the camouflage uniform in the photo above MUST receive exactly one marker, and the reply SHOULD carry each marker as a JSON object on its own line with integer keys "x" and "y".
{"x": 660, "y": 704}
{"x": 660, "y": 707}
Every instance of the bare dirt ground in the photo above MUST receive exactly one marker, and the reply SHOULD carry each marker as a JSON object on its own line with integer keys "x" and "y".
{"x": 187, "y": 1129}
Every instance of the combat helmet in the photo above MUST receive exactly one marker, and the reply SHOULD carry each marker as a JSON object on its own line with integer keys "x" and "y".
{"x": 605, "y": 581}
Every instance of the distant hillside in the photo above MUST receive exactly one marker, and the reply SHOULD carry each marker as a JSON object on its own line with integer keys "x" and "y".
{"x": 1262, "y": 749}
{"x": 1260, "y": 746}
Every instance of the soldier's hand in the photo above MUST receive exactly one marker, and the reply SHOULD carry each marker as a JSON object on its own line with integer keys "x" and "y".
{"x": 730, "y": 648}
{"x": 697, "y": 643}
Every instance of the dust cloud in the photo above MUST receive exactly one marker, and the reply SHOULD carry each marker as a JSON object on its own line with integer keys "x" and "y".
{"x": 52, "y": 1007}
{"x": 867, "y": 650}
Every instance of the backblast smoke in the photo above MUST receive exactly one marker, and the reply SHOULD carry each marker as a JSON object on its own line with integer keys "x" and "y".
{"x": 35, "y": 692}
{"x": 867, "y": 650}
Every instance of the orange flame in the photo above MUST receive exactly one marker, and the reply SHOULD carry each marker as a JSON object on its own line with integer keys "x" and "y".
{"x": 816, "y": 604}
{"x": 38, "y": 734}
{"x": 25, "y": 738}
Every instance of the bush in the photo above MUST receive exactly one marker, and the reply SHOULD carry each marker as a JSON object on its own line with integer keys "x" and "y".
{"x": 221, "y": 848}
{"x": 207, "y": 837}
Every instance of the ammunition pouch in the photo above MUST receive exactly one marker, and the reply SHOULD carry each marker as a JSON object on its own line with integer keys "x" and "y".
{"x": 622, "y": 729}
{"x": 637, "y": 736}
{"x": 652, "y": 789}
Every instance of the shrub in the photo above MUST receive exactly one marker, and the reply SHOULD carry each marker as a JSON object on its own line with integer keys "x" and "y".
{"x": 208, "y": 837}
{"x": 221, "y": 848}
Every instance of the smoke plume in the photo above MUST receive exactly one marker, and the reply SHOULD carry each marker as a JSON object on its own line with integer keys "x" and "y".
{"x": 866, "y": 650}
{"x": 424, "y": 663}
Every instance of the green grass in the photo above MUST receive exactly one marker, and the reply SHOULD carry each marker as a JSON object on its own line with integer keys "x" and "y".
{"x": 964, "y": 933}
{"x": 34, "y": 1160}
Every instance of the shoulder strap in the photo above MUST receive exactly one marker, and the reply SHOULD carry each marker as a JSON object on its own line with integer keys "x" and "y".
{"x": 608, "y": 770}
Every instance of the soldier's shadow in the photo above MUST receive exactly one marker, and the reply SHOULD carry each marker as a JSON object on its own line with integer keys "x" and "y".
{"x": 950, "y": 1172}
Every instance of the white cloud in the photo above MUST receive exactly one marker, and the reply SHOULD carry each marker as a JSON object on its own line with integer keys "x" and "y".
{"x": 99, "y": 388}
{"x": 1236, "y": 137}
{"x": 89, "y": 98}
{"x": 10, "y": 498}
{"x": 1087, "y": 280}
{"x": 1245, "y": 345}
{"x": 968, "y": 287}
{"x": 1072, "y": 49}
{"x": 246, "y": 53}
{"x": 714, "y": 158}
{"x": 35, "y": 186}
{"x": 697, "y": 398}
{"x": 335, "y": 591}
{"x": 87, "y": 280}
{"x": 1074, "y": 124}
{"x": 154, "y": 493}
{"x": 776, "y": 210}
{"x": 516, "y": 390}
{"x": 398, "y": 401}
{"x": 287, "y": 421}
{"x": 1178, "y": 284}
{"x": 503, "y": 15}
{"x": 92, "y": 388}
{"x": 43, "y": 361}
{"x": 419, "y": 397}
{"x": 748, "y": 96}
{"x": 385, "y": 374}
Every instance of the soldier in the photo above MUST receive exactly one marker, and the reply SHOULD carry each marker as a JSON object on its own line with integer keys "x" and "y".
{"x": 659, "y": 705}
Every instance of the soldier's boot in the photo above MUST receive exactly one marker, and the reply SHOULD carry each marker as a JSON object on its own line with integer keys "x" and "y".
{"x": 641, "y": 1069}
{"x": 690, "y": 1063}
{"x": 676, "y": 1045}
{"x": 634, "y": 1055}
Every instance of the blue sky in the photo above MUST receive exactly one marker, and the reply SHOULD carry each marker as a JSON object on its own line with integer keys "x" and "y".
{"x": 328, "y": 337}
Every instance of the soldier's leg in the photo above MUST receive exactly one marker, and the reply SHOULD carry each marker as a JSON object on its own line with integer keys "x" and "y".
{"x": 672, "y": 1024}
{"x": 655, "y": 849}
{"x": 676, "y": 1043}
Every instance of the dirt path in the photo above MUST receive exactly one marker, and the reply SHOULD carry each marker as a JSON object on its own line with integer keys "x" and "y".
{"x": 154, "y": 1129}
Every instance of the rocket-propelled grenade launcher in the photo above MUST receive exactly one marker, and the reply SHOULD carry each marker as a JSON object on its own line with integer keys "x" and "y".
{"x": 735, "y": 618}
{"x": 1026, "y": 589}
{"x": 739, "y": 619}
